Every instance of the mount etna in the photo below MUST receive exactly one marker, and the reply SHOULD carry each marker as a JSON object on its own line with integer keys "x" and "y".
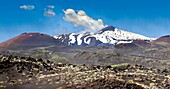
{"x": 110, "y": 58}
{"x": 109, "y": 36}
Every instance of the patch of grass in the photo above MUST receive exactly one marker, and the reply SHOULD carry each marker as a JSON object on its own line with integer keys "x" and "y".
{"x": 119, "y": 65}
{"x": 162, "y": 43}
{"x": 55, "y": 58}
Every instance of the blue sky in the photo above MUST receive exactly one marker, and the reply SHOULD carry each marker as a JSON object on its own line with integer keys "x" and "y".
{"x": 147, "y": 17}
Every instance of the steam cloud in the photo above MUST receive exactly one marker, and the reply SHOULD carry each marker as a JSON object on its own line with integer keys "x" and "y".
{"x": 82, "y": 19}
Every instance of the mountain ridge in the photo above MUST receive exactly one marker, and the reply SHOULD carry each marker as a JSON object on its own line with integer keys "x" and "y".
{"x": 109, "y": 36}
{"x": 29, "y": 40}
{"x": 104, "y": 37}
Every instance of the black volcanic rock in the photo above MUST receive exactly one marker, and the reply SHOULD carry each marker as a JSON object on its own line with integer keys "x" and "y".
{"x": 127, "y": 46}
{"x": 109, "y": 28}
{"x": 166, "y": 36}
{"x": 31, "y": 73}
{"x": 94, "y": 42}
{"x": 30, "y": 40}
{"x": 134, "y": 45}
{"x": 141, "y": 42}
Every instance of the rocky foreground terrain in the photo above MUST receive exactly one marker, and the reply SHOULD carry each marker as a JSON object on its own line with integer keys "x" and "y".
{"x": 30, "y": 73}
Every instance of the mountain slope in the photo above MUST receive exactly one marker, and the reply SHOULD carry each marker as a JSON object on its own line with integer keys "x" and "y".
{"x": 29, "y": 40}
{"x": 163, "y": 39}
{"x": 107, "y": 36}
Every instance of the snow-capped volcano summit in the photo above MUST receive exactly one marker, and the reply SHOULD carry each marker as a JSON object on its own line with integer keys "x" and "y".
{"x": 106, "y": 36}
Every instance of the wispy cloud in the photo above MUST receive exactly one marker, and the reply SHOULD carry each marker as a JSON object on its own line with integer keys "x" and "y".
{"x": 51, "y": 6}
{"x": 82, "y": 19}
{"x": 27, "y": 7}
{"x": 49, "y": 13}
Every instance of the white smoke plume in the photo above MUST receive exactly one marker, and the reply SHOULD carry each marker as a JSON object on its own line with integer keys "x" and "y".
{"x": 82, "y": 19}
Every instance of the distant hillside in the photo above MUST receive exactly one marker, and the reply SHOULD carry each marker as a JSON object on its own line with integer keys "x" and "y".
{"x": 30, "y": 40}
